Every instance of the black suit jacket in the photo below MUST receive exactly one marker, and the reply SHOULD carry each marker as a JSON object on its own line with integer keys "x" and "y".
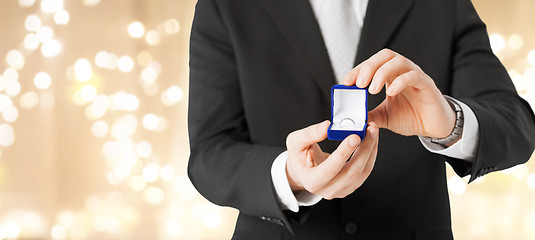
{"x": 259, "y": 69}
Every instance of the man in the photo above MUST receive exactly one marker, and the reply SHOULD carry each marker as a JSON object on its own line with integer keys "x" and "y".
{"x": 261, "y": 72}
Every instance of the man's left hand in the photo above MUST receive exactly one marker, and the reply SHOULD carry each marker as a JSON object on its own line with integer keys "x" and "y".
{"x": 413, "y": 104}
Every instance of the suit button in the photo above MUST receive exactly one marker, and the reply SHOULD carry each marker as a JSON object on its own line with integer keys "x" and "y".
{"x": 351, "y": 228}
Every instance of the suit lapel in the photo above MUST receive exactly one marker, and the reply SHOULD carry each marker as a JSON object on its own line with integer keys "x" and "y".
{"x": 382, "y": 19}
{"x": 296, "y": 20}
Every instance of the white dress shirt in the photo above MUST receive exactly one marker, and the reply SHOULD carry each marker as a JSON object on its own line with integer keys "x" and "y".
{"x": 464, "y": 149}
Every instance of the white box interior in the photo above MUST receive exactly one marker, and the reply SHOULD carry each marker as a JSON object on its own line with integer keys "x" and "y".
{"x": 349, "y": 103}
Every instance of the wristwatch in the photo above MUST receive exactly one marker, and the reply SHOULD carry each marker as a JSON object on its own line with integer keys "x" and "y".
{"x": 457, "y": 130}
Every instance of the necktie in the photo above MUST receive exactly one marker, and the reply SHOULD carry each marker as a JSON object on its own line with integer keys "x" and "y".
{"x": 340, "y": 32}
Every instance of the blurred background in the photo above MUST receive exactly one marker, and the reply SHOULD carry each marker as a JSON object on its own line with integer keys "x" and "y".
{"x": 93, "y": 131}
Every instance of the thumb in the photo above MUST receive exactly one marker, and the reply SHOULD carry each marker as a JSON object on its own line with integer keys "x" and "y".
{"x": 303, "y": 138}
{"x": 378, "y": 115}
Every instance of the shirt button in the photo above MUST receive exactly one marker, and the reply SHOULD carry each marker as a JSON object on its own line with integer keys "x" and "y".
{"x": 351, "y": 228}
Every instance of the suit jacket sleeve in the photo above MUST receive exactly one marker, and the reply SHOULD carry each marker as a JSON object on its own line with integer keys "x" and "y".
{"x": 506, "y": 121}
{"x": 224, "y": 166}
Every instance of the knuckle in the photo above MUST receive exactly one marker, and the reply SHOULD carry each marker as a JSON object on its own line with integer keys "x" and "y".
{"x": 290, "y": 139}
{"x": 312, "y": 188}
{"x": 329, "y": 196}
{"x": 366, "y": 66}
{"x": 388, "y": 51}
{"x": 401, "y": 60}
{"x": 385, "y": 51}
{"x": 329, "y": 173}
{"x": 403, "y": 78}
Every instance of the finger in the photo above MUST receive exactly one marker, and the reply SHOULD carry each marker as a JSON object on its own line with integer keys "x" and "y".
{"x": 355, "y": 165}
{"x": 371, "y": 160}
{"x": 379, "y": 115}
{"x": 334, "y": 163}
{"x": 413, "y": 78}
{"x": 319, "y": 155}
{"x": 364, "y": 175}
{"x": 301, "y": 139}
{"x": 351, "y": 77}
{"x": 363, "y": 152}
{"x": 388, "y": 72}
{"x": 367, "y": 69}
{"x": 350, "y": 177}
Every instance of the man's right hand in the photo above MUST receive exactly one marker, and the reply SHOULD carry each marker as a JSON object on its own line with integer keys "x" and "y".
{"x": 329, "y": 175}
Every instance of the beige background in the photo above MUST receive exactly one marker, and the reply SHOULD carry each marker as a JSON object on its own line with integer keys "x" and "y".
{"x": 56, "y": 181}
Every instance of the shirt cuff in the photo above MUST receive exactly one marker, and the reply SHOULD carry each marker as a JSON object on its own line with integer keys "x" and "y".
{"x": 286, "y": 197}
{"x": 466, "y": 147}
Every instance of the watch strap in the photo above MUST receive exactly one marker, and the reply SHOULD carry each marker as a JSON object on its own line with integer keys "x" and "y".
{"x": 457, "y": 130}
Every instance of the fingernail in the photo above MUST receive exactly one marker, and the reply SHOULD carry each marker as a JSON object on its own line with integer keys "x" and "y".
{"x": 371, "y": 88}
{"x": 346, "y": 78}
{"x": 360, "y": 80}
{"x": 390, "y": 90}
{"x": 353, "y": 141}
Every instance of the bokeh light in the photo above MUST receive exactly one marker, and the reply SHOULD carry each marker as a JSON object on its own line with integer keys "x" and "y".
{"x": 150, "y": 121}
{"x": 137, "y": 183}
{"x": 515, "y": 41}
{"x": 26, "y": 3}
{"x": 154, "y": 195}
{"x": 497, "y": 42}
{"x": 51, "y": 6}
{"x": 173, "y": 227}
{"x": 149, "y": 74}
{"x": 172, "y": 95}
{"x": 136, "y": 29}
{"x": 58, "y": 232}
{"x": 7, "y": 135}
{"x": 167, "y": 173}
{"x": 152, "y": 37}
{"x": 151, "y": 172}
{"x": 29, "y": 100}
{"x": 531, "y": 57}
{"x": 91, "y": 2}
{"x": 61, "y": 17}
{"x": 83, "y": 70}
{"x": 144, "y": 58}
{"x": 42, "y": 80}
{"x": 125, "y": 64}
{"x": 172, "y": 26}
{"x": 15, "y": 59}
{"x": 44, "y": 34}
{"x": 143, "y": 149}
{"x": 51, "y": 48}
{"x": 99, "y": 128}
{"x": 32, "y": 23}
{"x": 31, "y": 42}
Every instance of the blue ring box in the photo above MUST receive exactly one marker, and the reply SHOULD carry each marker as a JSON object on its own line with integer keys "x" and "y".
{"x": 349, "y": 112}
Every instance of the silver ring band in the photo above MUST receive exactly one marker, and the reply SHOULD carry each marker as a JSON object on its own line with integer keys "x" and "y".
{"x": 347, "y": 123}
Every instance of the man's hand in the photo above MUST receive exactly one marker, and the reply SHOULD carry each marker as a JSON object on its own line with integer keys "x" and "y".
{"x": 333, "y": 175}
{"x": 413, "y": 105}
